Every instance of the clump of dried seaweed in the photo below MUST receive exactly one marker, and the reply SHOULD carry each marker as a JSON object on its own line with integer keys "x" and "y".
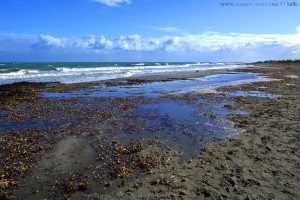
{"x": 18, "y": 153}
{"x": 14, "y": 95}
{"x": 5, "y": 195}
{"x": 76, "y": 183}
{"x": 153, "y": 160}
{"x": 133, "y": 147}
{"x": 142, "y": 155}
{"x": 120, "y": 169}
{"x": 123, "y": 163}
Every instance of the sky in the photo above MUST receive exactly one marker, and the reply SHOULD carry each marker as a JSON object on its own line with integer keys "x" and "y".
{"x": 148, "y": 30}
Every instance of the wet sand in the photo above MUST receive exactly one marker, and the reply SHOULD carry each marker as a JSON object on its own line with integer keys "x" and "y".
{"x": 70, "y": 155}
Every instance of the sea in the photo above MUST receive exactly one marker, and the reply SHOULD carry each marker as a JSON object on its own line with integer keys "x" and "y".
{"x": 78, "y": 72}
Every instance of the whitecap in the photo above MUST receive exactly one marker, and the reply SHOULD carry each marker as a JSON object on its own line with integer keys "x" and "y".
{"x": 82, "y": 74}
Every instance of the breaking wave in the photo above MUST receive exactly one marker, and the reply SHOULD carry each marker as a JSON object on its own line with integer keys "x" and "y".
{"x": 85, "y": 74}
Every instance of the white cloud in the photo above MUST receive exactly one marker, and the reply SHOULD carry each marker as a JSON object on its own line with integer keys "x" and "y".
{"x": 234, "y": 46}
{"x": 89, "y": 42}
{"x": 134, "y": 37}
{"x": 136, "y": 43}
{"x": 298, "y": 29}
{"x": 47, "y": 41}
{"x": 166, "y": 29}
{"x": 171, "y": 44}
{"x": 104, "y": 43}
{"x": 214, "y": 41}
{"x": 86, "y": 42}
{"x": 52, "y": 41}
{"x": 131, "y": 42}
{"x": 112, "y": 3}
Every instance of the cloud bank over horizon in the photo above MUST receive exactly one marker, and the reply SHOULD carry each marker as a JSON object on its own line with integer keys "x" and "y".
{"x": 206, "y": 46}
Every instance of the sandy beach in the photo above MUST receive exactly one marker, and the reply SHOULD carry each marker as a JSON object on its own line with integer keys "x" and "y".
{"x": 123, "y": 147}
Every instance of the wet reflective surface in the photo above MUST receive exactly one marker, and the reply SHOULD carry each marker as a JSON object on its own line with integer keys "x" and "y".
{"x": 167, "y": 111}
{"x": 158, "y": 88}
{"x": 252, "y": 94}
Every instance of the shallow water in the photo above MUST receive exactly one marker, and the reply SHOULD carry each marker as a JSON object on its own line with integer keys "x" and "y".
{"x": 184, "y": 127}
{"x": 252, "y": 94}
{"x": 7, "y": 125}
{"x": 3, "y": 113}
{"x": 158, "y": 88}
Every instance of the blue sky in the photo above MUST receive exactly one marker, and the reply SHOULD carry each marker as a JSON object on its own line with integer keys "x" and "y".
{"x": 149, "y": 30}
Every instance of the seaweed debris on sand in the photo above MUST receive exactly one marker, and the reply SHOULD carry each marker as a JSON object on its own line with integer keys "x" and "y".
{"x": 121, "y": 147}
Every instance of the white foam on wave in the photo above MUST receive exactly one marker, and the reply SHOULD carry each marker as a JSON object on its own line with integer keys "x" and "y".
{"x": 75, "y": 75}
{"x": 138, "y": 64}
{"x": 18, "y": 73}
{"x": 4, "y": 70}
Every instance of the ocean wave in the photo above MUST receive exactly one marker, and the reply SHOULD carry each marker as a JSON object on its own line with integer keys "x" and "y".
{"x": 17, "y": 72}
{"x": 9, "y": 70}
{"x": 81, "y": 74}
{"x": 138, "y": 64}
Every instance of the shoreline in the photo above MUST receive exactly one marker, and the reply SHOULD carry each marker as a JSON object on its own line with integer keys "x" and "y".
{"x": 69, "y": 74}
{"x": 262, "y": 162}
